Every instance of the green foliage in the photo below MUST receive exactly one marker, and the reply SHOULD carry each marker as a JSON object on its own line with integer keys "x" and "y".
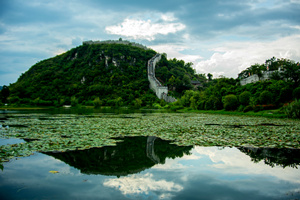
{"x": 296, "y": 93}
{"x": 4, "y": 94}
{"x": 112, "y": 72}
{"x": 97, "y": 102}
{"x": 137, "y": 103}
{"x": 244, "y": 98}
{"x": 292, "y": 110}
{"x": 265, "y": 97}
{"x": 176, "y": 74}
{"x": 213, "y": 103}
{"x": 74, "y": 101}
{"x": 230, "y": 102}
{"x": 248, "y": 108}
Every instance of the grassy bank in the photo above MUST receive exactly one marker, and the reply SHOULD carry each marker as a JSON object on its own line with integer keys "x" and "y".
{"x": 265, "y": 113}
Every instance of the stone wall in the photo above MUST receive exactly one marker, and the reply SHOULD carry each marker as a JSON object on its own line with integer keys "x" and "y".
{"x": 125, "y": 42}
{"x": 160, "y": 90}
{"x": 254, "y": 78}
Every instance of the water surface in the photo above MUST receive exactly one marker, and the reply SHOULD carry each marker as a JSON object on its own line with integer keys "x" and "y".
{"x": 151, "y": 168}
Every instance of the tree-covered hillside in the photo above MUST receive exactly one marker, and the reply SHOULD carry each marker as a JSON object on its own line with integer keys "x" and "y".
{"x": 94, "y": 74}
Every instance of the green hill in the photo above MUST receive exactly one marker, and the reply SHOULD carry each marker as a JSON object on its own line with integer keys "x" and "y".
{"x": 109, "y": 73}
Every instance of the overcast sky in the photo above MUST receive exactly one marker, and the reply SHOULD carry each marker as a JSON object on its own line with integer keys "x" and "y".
{"x": 222, "y": 37}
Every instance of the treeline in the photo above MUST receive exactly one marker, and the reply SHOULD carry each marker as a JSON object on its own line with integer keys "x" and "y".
{"x": 228, "y": 94}
{"x": 95, "y": 75}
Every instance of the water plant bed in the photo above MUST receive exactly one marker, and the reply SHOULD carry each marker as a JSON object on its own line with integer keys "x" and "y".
{"x": 68, "y": 132}
{"x": 151, "y": 168}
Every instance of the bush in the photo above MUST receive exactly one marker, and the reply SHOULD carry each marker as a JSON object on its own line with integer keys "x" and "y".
{"x": 175, "y": 108}
{"x": 213, "y": 103}
{"x": 248, "y": 108}
{"x": 241, "y": 108}
{"x": 296, "y": 93}
{"x": 292, "y": 110}
{"x": 156, "y": 106}
{"x": 137, "y": 103}
{"x": 230, "y": 102}
{"x": 265, "y": 97}
{"x": 244, "y": 98}
{"x": 97, "y": 102}
{"x": 257, "y": 108}
{"x": 74, "y": 101}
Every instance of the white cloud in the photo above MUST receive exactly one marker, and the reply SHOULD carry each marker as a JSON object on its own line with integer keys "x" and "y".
{"x": 146, "y": 29}
{"x": 231, "y": 58}
{"x": 139, "y": 184}
{"x": 174, "y": 51}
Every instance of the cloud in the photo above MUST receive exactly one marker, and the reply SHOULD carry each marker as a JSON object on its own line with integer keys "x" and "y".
{"x": 146, "y": 29}
{"x": 229, "y": 59}
{"x": 233, "y": 161}
{"x": 139, "y": 184}
{"x": 176, "y": 51}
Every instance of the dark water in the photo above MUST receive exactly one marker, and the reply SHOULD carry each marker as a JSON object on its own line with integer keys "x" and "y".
{"x": 151, "y": 168}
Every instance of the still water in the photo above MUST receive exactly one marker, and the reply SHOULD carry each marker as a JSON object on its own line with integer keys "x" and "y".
{"x": 151, "y": 168}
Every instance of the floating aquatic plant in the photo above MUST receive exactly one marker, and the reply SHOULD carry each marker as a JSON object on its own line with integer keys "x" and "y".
{"x": 59, "y": 133}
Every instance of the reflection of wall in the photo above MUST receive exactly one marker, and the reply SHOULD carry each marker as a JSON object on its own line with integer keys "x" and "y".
{"x": 273, "y": 157}
{"x": 128, "y": 157}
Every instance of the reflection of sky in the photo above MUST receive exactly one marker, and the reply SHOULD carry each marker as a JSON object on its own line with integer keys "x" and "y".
{"x": 208, "y": 173}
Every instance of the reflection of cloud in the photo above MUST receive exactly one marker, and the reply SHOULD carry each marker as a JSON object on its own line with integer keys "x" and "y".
{"x": 233, "y": 161}
{"x": 143, "y": 184}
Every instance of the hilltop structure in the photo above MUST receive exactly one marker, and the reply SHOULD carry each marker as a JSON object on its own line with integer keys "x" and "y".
{"x": 266, "y": 75}
{"x": 120, "y": 41}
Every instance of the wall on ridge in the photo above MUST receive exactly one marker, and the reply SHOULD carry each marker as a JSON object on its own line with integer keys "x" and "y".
{"x": 160, "y": 90}
{"x": 125, "y": 42}
{"x": 254, "y": 78}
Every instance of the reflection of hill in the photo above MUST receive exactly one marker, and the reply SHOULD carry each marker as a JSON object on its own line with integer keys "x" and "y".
{"x": 274, "y": 157}
{"x": 128, "y": 157}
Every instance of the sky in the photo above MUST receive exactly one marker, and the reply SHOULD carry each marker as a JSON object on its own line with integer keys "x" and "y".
{"x": 221, "y": 37}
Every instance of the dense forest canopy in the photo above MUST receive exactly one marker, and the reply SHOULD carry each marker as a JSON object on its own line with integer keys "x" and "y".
{"x": 95, "y": 74}
{"x": 116, "y": 75}
{"x": 282, "y": 87}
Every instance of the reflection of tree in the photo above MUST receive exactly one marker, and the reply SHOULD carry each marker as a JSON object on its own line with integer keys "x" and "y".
{"x": 131, "y": 155}
{"x": 274, "y": 157}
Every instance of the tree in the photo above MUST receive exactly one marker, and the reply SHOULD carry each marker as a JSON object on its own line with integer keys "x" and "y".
{"x": 244, "y": 98}
{"x": 137, "y": 103}
{"x": 265, "y": 97}
{"x": 97, "y": 102}
{"x": 292, "y": 71}
{"x": 230, "y": 102}
{"x": 5, "y": 93}
{"x": 209, "y": 75}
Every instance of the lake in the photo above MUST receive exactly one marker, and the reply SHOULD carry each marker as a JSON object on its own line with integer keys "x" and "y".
{"x": 138, "y": 161}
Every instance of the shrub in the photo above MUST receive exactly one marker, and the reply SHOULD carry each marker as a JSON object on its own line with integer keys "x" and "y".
{"x": 74, "y": 101}
{"x": 257, "y": 108}
{"x": 230, "y": 102}
{"x": 97, "y": 102}
{"x": 296, "y": 93}
{"x": 248, "y": 108}
{"x": 137, "y": 103}
{"x": 292, "y": 110}
{"x": 265, "y": 97}
{"x": 244, "y": 98}
{"x": 241, "y": 108}
{"x": 156, "y": 106}
{"x": 213, "y": 103}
